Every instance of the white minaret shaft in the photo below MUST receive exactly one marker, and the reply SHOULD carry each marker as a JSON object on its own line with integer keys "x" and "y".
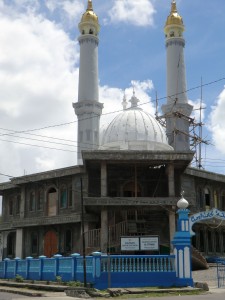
{"x": 177, "y": 110}
{"x": 88, "y": 109}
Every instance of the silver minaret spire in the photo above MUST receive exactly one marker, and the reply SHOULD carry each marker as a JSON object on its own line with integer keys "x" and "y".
{"x": 177, "y": 110}
{"x": 88, "y": 109}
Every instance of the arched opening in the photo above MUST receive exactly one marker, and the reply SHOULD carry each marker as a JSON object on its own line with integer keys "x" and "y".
{"x": 207, "y": 198}
{"x": 52, "y": 202}
{"x": 63, "y": 197}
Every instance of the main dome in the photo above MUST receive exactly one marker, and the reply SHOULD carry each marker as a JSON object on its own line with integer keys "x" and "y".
{"x": 134, "y": 129}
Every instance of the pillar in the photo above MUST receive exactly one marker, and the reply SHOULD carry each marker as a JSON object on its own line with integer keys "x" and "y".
{"x": 171, "y": 185}
{"x": 182, "y": 246}
{"x": 19, "y": 243}
{"x": 104, "y": 229}
{"x": 172, "y": 225}
{"x": 103, "y": 179}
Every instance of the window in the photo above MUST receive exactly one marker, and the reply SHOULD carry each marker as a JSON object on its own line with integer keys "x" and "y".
{"x": 18, "y": 199}
{"x": 34, "y": 243}
{"x": 207, "y": 197}
{"x": 63, "y": 197}
{"x": 40, "y": 199}
{"x": 32, "y": 201}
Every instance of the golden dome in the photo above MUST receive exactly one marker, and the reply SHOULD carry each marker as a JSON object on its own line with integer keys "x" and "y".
{"x": 174, "y": 18}
{"x": 89, "y": 15}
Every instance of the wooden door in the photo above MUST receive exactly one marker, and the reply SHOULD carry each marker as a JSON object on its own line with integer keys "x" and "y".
{"x": 50, "y": 243}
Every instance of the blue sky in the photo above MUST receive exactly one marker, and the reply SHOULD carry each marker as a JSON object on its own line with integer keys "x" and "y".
{"x": 39, "y": 64}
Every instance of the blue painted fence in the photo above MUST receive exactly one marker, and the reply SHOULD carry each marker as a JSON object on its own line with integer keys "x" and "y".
{"x": 101, "y": 270}
{"x": 220, "y": 272}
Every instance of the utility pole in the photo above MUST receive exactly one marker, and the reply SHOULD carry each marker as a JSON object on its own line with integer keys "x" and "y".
{"x": 83, "y": 236}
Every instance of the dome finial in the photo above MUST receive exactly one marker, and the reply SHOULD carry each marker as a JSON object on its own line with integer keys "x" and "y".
{"x": 173, "y": 6}
{"x": 89, "y": 21}
{"x": 134, "y": 100}
{"x": 89, "y": 6}
{"x": 174, "y": 18}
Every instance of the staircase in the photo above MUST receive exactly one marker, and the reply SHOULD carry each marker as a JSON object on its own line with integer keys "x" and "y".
{"x": 198, "y": 260}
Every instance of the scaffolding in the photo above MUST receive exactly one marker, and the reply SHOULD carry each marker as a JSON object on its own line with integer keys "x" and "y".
{"x": 195, "y": 129}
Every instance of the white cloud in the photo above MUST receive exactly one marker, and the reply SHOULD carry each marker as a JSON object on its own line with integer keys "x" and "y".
{"x": 73, "y": 9}
{"x": 38, "y": 80}
{"x": 217, "y": 123}
{"x": 198, "y": 114}
{"x": 136, "y": 12}
{"x": 38, "y": 83}
{"x": 113, "y": 97}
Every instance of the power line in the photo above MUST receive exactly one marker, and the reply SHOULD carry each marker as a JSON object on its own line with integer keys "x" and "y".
{"x": 66, "y": 150}
{"x": 121, "y": 110}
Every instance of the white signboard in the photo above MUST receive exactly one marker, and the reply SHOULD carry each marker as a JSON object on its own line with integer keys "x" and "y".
{"x": 149, "y": 243}
{"x": 129, "y": 243}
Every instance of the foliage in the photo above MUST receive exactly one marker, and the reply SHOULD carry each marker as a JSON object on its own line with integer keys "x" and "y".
{"x": 75, "y": 283}
{"x": 19, "y": 278}
{"x": 58, "y": 279}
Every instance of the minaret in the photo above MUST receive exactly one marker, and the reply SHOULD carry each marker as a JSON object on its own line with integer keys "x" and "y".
{"x": 88, "y": 109}
{"x": 177, "y": 110}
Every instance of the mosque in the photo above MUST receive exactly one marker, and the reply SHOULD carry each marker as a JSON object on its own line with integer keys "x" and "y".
{"x": 129, "y": 176}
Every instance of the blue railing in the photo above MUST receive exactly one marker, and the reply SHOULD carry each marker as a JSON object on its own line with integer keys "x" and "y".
{"x": 101, "y": 270}
{"x": 220, "y": 272}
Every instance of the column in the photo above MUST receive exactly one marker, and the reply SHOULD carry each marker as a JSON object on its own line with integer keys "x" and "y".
{"x": 171, "y": 186}
{"x": 172, "y": 224}
{"x": 182, "y": 246}
{"x": 19, "y": 243}
{"x": 103, "y": 179}
{"x": 104, "y": 229}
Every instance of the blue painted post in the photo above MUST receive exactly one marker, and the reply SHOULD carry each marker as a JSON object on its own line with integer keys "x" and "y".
{"x": 16, "y": 265}
{"x": 57, "y": 256}
{"x": 28, "y": 259}
{"x": 5, "y": 266}
{"x": 182, "y": 246}
{"x": 96, "y": 267}
{"x": 42, "y": 257}
{"x": 74, "y": 267}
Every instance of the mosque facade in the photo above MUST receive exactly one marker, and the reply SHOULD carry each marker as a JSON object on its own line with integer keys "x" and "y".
{"x": 129, "y": 177}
